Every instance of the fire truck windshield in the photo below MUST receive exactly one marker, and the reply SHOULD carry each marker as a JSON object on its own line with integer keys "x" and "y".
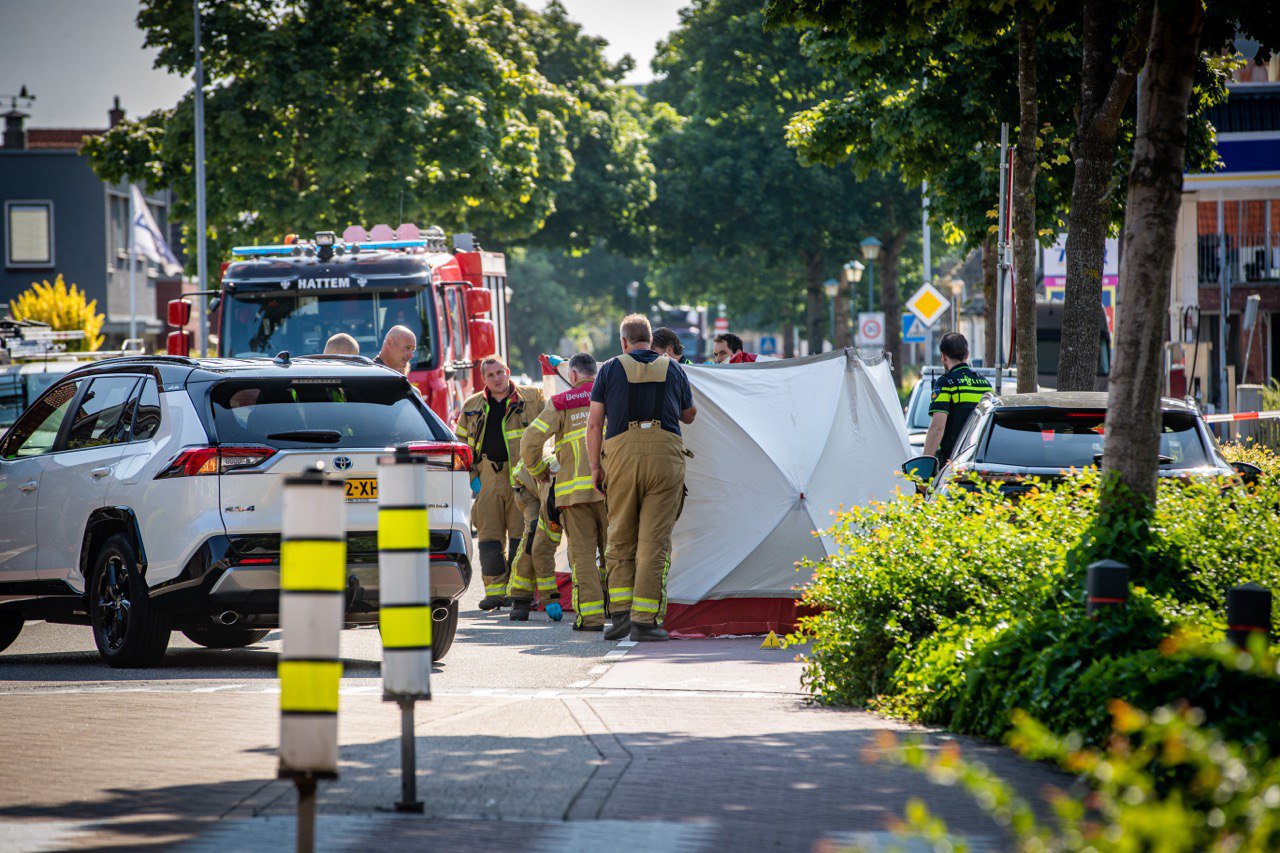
{"x": 266, "y": 323}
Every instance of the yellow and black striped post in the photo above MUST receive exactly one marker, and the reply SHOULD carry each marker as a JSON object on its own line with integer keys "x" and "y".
{"x": 404, "y": 583}
{"x": 313, "y": 569}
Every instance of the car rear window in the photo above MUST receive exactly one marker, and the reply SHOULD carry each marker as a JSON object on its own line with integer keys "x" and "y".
{"x": 310, "y": 412}
{"x": 1055, "y": 438}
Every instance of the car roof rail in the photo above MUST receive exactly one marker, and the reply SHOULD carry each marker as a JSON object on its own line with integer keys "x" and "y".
{"x": 334, "y": 356}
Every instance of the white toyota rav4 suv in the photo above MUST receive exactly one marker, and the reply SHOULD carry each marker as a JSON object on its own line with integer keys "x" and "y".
{"x": 144, "y": 495}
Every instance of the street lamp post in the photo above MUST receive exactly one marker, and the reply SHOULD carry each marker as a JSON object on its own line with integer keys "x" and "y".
{"x": 853, "y": 274}
{"x": 870, "y": 251}
{"x": 633, "y": 289}
{"x": 832, "y": 287}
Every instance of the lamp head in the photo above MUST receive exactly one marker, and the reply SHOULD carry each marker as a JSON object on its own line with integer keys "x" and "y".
{"x": 870, "y": 248}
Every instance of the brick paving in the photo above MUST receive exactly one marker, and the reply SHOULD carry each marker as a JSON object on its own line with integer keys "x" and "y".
{"x": 559, "y": 769}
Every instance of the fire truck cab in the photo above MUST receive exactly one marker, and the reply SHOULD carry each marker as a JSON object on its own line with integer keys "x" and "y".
{"x": 295, "y": 296}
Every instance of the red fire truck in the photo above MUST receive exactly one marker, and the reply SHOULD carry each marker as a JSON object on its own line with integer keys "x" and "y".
{"x": 295, "y": 296}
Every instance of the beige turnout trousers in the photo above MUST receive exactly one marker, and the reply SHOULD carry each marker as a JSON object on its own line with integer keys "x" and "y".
{"x": 587, "y": 525}
{"x": 499, "y": 520}
{"x": 644, "y": 478}
{"x": 534, "y": 567}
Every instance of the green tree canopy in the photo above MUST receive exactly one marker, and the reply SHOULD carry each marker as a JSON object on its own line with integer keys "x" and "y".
{"x": 729, "y": 187}
{"x": 613, "y": 178}
{"x": 923, "y": 89}
{"x": 323, "y": 113}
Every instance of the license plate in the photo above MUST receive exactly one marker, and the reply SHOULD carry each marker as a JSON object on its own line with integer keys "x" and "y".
{"x": 362, "y": 489}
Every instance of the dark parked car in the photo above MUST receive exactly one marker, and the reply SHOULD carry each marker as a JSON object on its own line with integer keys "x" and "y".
{"x": 1049, "y": 435}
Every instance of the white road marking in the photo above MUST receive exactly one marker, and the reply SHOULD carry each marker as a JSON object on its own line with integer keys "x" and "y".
{"x": 216, "y": 689}
{"x": 573, "y": 691}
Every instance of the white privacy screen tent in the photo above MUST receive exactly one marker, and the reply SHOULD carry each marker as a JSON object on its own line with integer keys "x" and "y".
{"x": 778, "y": 446}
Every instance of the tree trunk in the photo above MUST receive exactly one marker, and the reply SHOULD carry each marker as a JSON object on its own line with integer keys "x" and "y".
{"x": 890, "y": 303}
{"x": 842, "y": 335}
{"x": 1024, "y": 205}
{"x": 787, "y": 330}
{"x": 815, "y": 301}
{"x": 1151, "y": 215}
{"x": 989, "y": 301}
{"x": 1103, "y": 95}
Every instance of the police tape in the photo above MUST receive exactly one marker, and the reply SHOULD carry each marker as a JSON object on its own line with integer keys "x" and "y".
{"x": 1233, "y": 417}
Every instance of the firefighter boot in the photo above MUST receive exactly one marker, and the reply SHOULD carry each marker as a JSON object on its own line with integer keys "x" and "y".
{"x": 641, "y": 633}
{"x": 520, "y": 609}
{"x": 621, "y": 625}
{"x": 492, "y": 565}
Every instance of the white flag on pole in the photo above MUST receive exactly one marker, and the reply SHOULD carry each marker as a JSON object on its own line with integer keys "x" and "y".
{"x": 148, "y": 241}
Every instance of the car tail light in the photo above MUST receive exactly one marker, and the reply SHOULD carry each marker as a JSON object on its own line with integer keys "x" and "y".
{"x": 453, "y": 455}
{"x": 197, "y": 461}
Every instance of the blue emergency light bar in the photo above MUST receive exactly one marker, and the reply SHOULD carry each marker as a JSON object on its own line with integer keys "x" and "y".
{"x": 297, "y": 248}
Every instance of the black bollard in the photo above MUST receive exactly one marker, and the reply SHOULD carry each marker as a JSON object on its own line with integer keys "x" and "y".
{"x": 1248, "y": 610}
{"x": 1106, "y": 585}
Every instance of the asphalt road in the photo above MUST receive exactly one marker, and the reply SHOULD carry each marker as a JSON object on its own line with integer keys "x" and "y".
{"x": 490, "y": 651}
{"x": 536, "y": 738}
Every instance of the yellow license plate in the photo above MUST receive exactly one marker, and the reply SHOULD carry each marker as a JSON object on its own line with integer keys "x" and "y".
{"x": 362, "y": 489}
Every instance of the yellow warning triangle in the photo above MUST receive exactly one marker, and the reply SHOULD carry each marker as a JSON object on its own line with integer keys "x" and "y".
{"x": 771, "y": 642}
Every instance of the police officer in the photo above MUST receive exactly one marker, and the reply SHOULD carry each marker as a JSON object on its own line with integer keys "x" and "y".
{"x": 579, "y": 504}
{"x": 640, "y": 399}
{"x": 492, "y": 422}
{"x": 955, "y": 395}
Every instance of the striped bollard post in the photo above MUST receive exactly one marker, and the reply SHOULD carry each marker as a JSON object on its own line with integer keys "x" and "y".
{"x": 313, "y": 568}
{"x": 404, "y": 583}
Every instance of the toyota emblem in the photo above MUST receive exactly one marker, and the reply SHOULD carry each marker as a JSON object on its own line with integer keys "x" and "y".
{"x": 342, "y": 463}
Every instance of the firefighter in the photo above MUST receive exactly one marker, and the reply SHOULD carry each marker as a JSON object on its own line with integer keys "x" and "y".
{"x": 534, "y": 568}
{"x": 639, "y": 400}
{"x": 581, "y": 506}
{"x": 492, "y": 422}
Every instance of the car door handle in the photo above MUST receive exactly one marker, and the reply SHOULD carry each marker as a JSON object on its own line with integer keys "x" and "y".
{"x": 99, "y": 473}
{"x": 28, "y": 488}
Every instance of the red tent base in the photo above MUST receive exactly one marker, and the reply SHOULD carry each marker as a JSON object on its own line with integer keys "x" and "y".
{"x": 719, "y": 618}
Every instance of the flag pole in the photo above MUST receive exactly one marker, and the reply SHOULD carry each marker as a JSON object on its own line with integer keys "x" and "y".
{"x": 202, "y": 325}
{"x": 133, "y": 267}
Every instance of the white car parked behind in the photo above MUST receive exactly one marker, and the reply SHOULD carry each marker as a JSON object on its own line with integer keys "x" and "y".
{"x": 144, "y": 495}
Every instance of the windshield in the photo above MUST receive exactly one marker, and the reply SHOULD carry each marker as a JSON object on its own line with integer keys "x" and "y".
{"x": 265, "y": 324}
{"x": 1055, "y": 438}
{"x": 918, "y": 415}
{"x": 306, "y": 412}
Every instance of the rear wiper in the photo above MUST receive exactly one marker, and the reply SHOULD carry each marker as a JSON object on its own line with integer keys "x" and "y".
{"x": 324, "y": 436}
{"x": 1164, "y": 460}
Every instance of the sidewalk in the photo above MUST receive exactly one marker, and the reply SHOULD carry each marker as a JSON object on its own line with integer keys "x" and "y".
{"x": 683, "y": 746}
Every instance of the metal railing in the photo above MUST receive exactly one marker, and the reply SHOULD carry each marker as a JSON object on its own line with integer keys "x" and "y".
{"x": 1249, "y": 257}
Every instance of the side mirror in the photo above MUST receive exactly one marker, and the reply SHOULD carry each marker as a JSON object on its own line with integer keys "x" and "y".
{"x": 921, "y": 467}
{"x": 1249, "y": 473}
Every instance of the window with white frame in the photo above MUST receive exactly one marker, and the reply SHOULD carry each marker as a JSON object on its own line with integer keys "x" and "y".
{"x": 28, "y": 233}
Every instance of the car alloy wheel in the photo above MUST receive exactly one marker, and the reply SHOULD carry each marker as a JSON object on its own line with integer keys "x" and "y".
{"x": 113, "y": 602}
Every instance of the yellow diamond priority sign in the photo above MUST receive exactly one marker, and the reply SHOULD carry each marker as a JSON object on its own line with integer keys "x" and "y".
{"x": 928, "y": 304}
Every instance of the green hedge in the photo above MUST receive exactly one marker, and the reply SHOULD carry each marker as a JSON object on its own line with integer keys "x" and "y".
{"x": 959, "y": 611}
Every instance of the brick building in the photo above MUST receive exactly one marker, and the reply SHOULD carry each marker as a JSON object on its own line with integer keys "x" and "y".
{"x": 1228, "y": 244}
{"x": 60, "y": 217}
